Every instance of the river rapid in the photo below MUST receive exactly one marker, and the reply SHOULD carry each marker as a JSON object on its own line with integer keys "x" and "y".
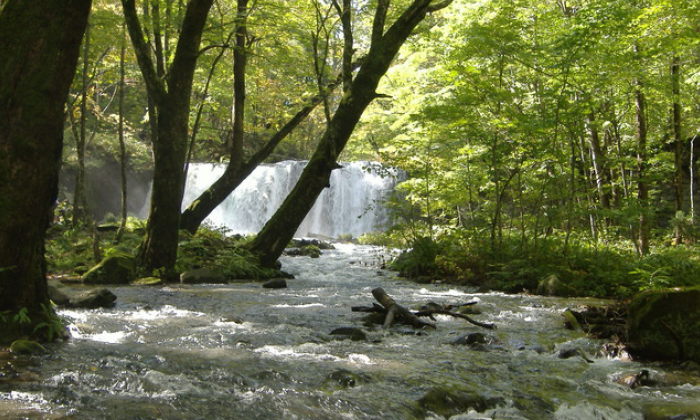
{"x": 240, "y": 351}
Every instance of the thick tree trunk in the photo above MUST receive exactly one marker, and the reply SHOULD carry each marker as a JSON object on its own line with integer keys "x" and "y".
{"x": 279, "y": 230}
{"x": 39, "y": 47}
{"x": 171, "y": 97}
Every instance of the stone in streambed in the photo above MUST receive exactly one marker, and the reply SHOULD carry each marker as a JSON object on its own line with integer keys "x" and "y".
{"x": 275, "y": 284}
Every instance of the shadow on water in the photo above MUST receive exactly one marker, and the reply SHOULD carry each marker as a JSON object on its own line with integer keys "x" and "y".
{"x": 239, "y": 351}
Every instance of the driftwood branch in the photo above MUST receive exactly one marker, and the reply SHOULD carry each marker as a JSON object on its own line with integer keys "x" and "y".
{"x": 393, "y": 311}
{"x": 433, "y": 308}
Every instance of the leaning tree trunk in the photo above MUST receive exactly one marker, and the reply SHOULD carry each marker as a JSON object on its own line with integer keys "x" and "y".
{"x": 279, "y": 230}
{"x": 39, "y": 47}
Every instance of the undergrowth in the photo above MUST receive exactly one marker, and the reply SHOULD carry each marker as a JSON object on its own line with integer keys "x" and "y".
{"x": 516, "y": 265}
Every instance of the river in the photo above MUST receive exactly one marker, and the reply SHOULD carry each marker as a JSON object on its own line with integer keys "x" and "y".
{"x": 240, "y": 351}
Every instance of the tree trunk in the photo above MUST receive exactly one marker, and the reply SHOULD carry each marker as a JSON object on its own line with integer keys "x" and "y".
{"x": 279, "y": 230}
{"x": 122, "y": 143}
{"x": 171, "y": 97}
{"x": 39, "y": 48}
{"x": 642, "y": 186}
{"x": 679, "y": 174}
{"x": 79, "y": 194}
{"x": 598, "y": 161}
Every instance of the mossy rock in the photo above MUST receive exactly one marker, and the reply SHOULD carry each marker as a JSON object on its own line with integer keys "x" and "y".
{"x": 148, "y": 281}
{"x": 553, "y": 286}
{"x": 203, "y": 276}
{"x": 27, "y": 347}
{"x": 665, "y": 325}
{"x": 449, "y": 402}
{"x": 115, "y": 269}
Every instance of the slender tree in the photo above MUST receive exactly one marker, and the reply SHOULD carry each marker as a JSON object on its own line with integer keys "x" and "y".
{"x": 39, "y": 48}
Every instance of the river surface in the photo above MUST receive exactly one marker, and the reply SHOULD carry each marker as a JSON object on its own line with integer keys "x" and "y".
{"x": 240, "y": 351}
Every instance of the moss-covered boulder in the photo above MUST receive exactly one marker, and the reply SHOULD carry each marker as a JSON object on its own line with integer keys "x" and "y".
{"x": 203, "y": 276}
{"x": 553, "y": 286}
{"x": 665, "y": 325}
{"x": 115, "y": 269}
{"x": 26, "y": 347}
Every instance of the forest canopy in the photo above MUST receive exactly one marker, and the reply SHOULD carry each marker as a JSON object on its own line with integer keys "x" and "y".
{"x": 538, "y": 137}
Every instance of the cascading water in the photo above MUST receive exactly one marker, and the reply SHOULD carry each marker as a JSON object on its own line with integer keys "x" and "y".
{"x": 352, "y": 205}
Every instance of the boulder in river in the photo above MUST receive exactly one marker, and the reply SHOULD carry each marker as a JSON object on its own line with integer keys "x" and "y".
{"x": 275, "y": 284}
{"x": 96, "y": 298}
{"x": 114, "y": 269}
{"x": 449, "y": 402}
{"x": 664, "y": 325}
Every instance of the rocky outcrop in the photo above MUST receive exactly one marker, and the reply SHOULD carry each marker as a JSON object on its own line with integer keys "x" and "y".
{"x": 115, "y": 269}
{"x": 665, "y": 325}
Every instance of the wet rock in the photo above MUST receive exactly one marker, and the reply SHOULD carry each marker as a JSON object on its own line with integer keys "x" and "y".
{"x": 635, "y": 379}
{"x": 115, "y": 269}
{"x": 343, "y": 378}
{"x": 663, "y": 325}
{"x": 57, "y": 296}
{"x": 553, "y": 286}
{"x": 26, "y": 347}
{"x": 449, "y": 402}
{"x": 304, "y": 242}
{"x": 311, "y": 251}
{"x": 355, "y": 334}
{"x": 470, "y": 339}
{"x": 203, "y": 276}
{"x": 275, "y": 284}
{"x": 97, "y": 298}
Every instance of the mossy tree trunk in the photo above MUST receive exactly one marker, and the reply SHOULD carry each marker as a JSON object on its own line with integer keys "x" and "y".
{"x": 39, "y": 48}
{"x": 279, "y": 230}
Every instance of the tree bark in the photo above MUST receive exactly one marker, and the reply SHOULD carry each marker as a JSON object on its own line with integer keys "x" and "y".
{"x": 678, "y": 148}
{"x": 39, "y": 48}
{"x": 171, "y": 97}
{"x": 279, "y": 230}
{"x": 598, "y": 161}
{"x": 642, "y": 186}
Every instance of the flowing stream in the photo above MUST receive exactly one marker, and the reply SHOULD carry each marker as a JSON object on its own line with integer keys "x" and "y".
{"x": 240, "y": 351}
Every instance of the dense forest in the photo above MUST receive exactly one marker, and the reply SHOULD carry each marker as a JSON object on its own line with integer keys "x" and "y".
{"x": 539, "y": 138}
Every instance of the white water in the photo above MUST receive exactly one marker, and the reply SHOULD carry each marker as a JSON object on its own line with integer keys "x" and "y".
{"x": 239, "y": 351}
{"x": 352, "y": 204}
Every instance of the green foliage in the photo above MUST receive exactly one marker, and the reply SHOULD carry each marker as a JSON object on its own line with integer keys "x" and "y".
{"x": 214, "y": 248}
{"x": 51, "y": 326}
{"x": 46, "y": 325}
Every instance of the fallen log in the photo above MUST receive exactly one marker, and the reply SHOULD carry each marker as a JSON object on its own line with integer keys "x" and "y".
{"x": 393, "y": 309}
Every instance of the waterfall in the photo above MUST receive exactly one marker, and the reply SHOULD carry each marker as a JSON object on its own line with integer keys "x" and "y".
{"x": 352, "y": 205}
